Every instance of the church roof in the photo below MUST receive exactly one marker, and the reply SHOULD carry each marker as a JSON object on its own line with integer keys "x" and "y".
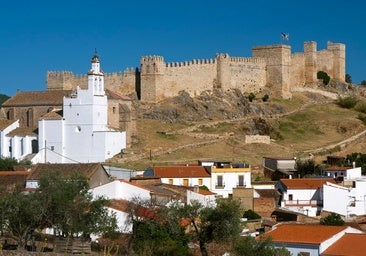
{"x": 52, "y": 115}
{"x": 111, "y": 95}
{"x": 22, "y": 132}
{"x": 37, "y": 98}
{"x": 4, "y": 123}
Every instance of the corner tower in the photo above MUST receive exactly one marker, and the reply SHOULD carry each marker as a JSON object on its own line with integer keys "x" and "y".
{"x": 152, "y": 78}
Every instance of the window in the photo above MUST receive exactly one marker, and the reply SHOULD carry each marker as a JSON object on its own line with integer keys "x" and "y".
{"x": 241, "y": 181}
{"x": 52, "y": 148}
{"x": 114, "y": 110}
{"x": 185, "y": 182}
{"x": 200, "y": 182}
{"x": 220, "y": 181}
{"x": 171, "y": 181}
{"x": 290, "y": 197}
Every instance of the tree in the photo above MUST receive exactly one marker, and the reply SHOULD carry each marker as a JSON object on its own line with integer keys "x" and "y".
{"x": 333, "y": 219}
{"x": 251, "y": 215}
{"x": 69, "y": 208}
{"x": 251, "y": 96}
{"x": 363, "y": 82}
{"x": 7, "y": 163}
{"x": 307, "y": 167}
{"x": 20, "y": 216}
{"x": 248, "y": 246}
{"x": 348, "y": 78}
{"x": 323, "y": 76}
{"x": 156, "y": 231}
{"x": 219, "y": 223}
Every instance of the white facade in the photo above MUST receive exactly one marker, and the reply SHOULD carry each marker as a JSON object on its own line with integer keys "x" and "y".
{"x": 15, "y": 146}
{"x": 187, "y": 181}
{"x": 223, "y": 180}
{"x": 205, "y": 200}
{"x": 82, "y": 134}
{"x": 345, "y": 201}
{"x": 351, "y": 173}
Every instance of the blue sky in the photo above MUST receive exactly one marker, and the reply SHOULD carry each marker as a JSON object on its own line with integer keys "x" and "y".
{"x": 40, "y": 36}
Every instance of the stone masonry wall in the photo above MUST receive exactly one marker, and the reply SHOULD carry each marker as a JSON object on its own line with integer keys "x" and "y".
{"x": 271, "y": 66}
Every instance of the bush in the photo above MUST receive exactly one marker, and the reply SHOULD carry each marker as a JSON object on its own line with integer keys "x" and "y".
{"x": 363, "y": 82}
{"x": 333, "y": 219}
{"x": 324, "y": 76}
{"x": 361, "y": 107}
{"x": 347, "y": 102}
{"x": 362, "y": 117}
{"x": 348, "y": 78}
{"x": 251, "y": 97}
{"x": 251, "y": 215}
{"x": 265, "y": 97}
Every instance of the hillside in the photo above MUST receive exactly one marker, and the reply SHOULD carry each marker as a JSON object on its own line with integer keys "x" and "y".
{"x": 213, "y": 126}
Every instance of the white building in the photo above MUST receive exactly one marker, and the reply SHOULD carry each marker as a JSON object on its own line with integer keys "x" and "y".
{"x": 16, "y": 142}
{"x": 343, "y": 172}
{"x": 303, "y": 195}
{"x": 80, "y": 133}
{"x": 346, "y": 201}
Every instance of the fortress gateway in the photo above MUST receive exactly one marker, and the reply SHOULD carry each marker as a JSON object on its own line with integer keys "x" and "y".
{"x": 272, "y": 66}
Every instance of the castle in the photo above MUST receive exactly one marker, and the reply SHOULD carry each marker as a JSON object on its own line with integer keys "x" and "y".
{"x": 271, "y": 66}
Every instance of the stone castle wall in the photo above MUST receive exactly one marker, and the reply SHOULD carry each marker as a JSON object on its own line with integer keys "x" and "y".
{"x": 272, "y": 66}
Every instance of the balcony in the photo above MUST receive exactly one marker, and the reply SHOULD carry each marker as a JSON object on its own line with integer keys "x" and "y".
{"x": 313, "y": 203}
{"x": 219, "y": 185}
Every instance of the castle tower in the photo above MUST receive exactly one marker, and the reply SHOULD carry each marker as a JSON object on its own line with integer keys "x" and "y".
{"x": 339, "y": 60}
{"x": 310, "y": 63}
{"x": 152, "y": 75}
{"x": 96, "y": 77}
{"x": 59, "y": 80}
{"x": 278, "y": 58}
{"x": 223, "y": 70}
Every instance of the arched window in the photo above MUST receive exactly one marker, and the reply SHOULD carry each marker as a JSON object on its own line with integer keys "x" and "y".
{"x": 30, "y": 117}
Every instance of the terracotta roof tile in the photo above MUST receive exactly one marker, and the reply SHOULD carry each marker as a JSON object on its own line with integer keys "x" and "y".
{"x": 181, "y": 171}
{"x": 9, "y": 180}
{"x": 337, "y": 168}
{"x": 4, "y": 123}
{"x": 116, "y": 96}
{"x": 52, "y": 115}
{"x": 22, "y": 132}
{"x": 305, "y": 183}
{"x": 303, "y": 233}
{"x": 68, "y": 169}
{"x": 37, "y": 98}
{"x": 348, "y": 244}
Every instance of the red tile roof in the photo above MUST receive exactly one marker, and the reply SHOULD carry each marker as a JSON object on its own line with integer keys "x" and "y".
{"x": 303, "y": 233}
{"x": 305, "y": 183}
{"x": 181, "y": 172}
{"x": 348, "y": 244}
{"x": 22, "y": 132}
{"x": 87, "y": 170}
{"x": 337, "y": 168}
{"x": 9, "y": 180}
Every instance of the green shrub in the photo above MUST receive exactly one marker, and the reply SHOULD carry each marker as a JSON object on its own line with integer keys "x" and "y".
{"x": 362, "y": 117}
{"x": 361, "y": 107}
{"x": 251, "y": 97}
{"x": 347, "y": 102}
{"x": 251, "y": 215}
{"x": 265, "y": 97}
{"x": 324, "y": 76}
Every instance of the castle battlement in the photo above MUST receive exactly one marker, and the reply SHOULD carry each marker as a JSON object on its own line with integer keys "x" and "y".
{"x": 191, "y": 62}
{"x": 271, "y": 66}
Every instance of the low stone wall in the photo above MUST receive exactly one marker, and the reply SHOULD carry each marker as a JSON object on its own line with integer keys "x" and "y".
{"x": 249, "y": 139}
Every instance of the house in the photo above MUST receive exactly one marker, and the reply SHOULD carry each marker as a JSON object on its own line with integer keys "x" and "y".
{"x": 347, "y": 201}
{"x": 124, "y": 195}
{"x": 279, "y": 167}
{"x": 94, "y": 172}
{"x": 308, "y": 239}
{"x": 182, "y": 175}
{"x": 225, "y": 176}
{"x": 16, "y": 142}
{"x": 303, "y": 195}
{"x": 11, "y": 181}
{"x": 342, "y": 172}
{"x": 348, "y": 244}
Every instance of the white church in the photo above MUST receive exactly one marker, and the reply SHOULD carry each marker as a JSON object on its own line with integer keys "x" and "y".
{"x": 77, "y": 133}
